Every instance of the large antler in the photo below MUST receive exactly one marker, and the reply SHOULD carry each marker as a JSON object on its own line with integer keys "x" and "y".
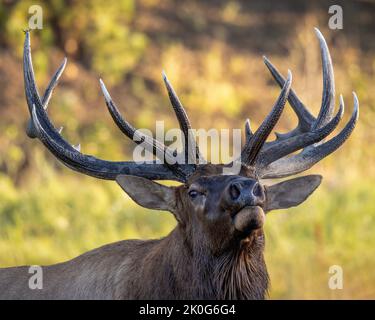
{"x": 269, "y": 158}
{"x": 41, "y": 127}
{"x": 272, "y": 160}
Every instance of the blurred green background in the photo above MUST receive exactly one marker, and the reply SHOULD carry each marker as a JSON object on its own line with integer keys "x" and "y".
{"x": 212, "y": 52}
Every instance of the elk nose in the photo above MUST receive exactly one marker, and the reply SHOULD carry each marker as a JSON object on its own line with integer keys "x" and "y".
{"x": 245, "y": 192}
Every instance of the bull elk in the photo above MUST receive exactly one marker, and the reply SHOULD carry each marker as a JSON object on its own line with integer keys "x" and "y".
{"x": 216, "y": 249}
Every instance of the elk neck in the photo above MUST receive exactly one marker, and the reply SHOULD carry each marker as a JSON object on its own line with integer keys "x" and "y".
{"x": 196, "y": 273}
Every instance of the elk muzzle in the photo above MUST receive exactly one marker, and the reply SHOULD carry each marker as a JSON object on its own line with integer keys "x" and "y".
{"x": 243, "y": 199}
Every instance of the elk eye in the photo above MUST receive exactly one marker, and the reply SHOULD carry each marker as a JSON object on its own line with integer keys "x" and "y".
{"x": 194, "y": 193}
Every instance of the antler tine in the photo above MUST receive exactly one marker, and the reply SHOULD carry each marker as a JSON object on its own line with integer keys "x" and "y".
{"x": 30, "y": 129}
{"x": 31, "y": 90}
{"x": 53, "y": 83}
{"x": 328, "y": 95}
{"x": 305, "y": 118}
{"x": 308, "y": 157}
{"x": 306, "y": 121}
{"x": 288, "y": 146}
{"x": 67, "y": 154}
{"x": 252, "y": 147}
{"x": 248, "y": 133}
{"x": 152, "y": 145}
{"x": 191, "y": 149}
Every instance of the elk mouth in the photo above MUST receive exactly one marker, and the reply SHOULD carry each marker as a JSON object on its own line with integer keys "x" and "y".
{"x": 248, "y": 219}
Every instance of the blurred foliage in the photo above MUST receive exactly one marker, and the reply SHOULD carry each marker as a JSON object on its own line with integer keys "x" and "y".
{"x": 96, "y": 32}
{"x": 211, "y": 51}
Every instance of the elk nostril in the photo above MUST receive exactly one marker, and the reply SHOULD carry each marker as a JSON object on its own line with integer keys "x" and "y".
{"x": 257, "y": 190}
{"x": 234, "y": 191}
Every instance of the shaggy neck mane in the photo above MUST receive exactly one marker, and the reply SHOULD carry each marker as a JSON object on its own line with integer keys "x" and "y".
{"x": 239, "y": 273}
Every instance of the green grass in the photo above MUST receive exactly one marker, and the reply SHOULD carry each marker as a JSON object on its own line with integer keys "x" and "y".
{"x": 334, "y": 227}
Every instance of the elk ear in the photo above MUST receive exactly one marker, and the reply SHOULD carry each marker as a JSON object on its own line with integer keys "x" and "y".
{"x": 147, "y": 193}
{"x": 291, "y": 193}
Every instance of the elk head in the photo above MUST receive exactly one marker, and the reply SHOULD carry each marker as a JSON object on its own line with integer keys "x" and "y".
{"x": 215, "y": 209}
